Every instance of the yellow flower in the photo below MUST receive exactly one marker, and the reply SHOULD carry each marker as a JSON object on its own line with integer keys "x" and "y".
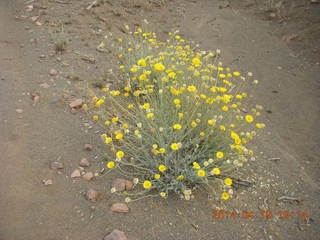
{"x": 219, "y": 154}
{"x": 191, "y": 68}
{"x": 143, "y": 77}
{"x": 225, "y": 108}
{"x": 176, "y": 101}
{"x": 121, "y": 67}
{"x": 104, "y": 136}
{"x": 174, "y": 146}
{"x": 163, "y": 194}
{"x": 177, "y": 126}
{"x": 221, "y": 75}
{"x": 172, "y": 75}
{"x": 194, "y": 124}
{"x": 130, "y": 106}
{"x": 101, "y": 45}
{"x": 114, "y": 120}
{"x": 216, "y": 171}
{"x": 196, "y": 62}
{"x": 115, "y": 93}
{"x": 201, "y": 173}
{"x": 238, "y": 96}
{"x": 150, "y": 115}
{"x": 180, "y": 177}
{"x": 225, "y": 196}
{"x": 177, "y": 37}
{"x": 236, "y": 74}
{"x": 164, "y": 79}
{"x": 134, "y": 69}
{"x": 191, "y": 88}
{"x": 99, "y": 102}
{"x": 157, "y": 176}
{"x": 228, "y": 181}
{"x": 107, "y": 123}
{"x": 162, "y": 150}
{"x": 180, "y": 115}
{"x": 195, "y": 165}
{"x": 108, "y": 140}
{"x": 210, "y": 100}
{"x": 237, "y": 140}
{"x": 249, "y": 118}
{"x": 147, "y": 184}
{"x": 234, "y": 135}
{"x": 162, "y": 168}
{"x": 84, "y": 106}
{"x": 146, "y": 106}
{"x": 142, "y": 63}
{"x": 110, "y": 164}
{"x": 95, "y": 118}
{"x": 206, "y": 164}
{"x": 120, "y": 154}
{"x": 119, "y": 136}
{"x": 222, "y": 89}
{"x": 127, "y": 88}
{"x": 202, "y": 133}
{"x": 155, "y": 152}
{"x": 159, "y": 67}
{"x": 211, "y": 122}
{"x": 260, "y": 125}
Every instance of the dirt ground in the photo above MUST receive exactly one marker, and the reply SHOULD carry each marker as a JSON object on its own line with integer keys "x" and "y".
{"x": 276, "y": 40}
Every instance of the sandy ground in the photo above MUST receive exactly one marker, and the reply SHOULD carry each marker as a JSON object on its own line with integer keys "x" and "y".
{"x": 288, "y": 71}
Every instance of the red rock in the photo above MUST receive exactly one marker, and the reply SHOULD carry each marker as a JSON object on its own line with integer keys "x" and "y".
{"x": 44, "y": 85}
{"x": 84, "y": 162}
{"x": 290, "y": 37}
{"x": 76, "y": 103}
{"x": 88, "y": 176}
{"x": 115, "y": 235}
{"x": 53, "y": 72}
{"x": 56, "y": 165}
{"x": 119, "y": 184}
{"x": 129, "y": 185}
{"x": 92, "y": 195}
{"x": 88, "y": 147}
{"x": 272, "y": 16}
{"x": 120, "y": 208}
{"x": 76, "y": 173}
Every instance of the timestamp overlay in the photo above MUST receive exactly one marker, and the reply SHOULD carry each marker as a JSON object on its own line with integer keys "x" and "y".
{"x": 283, "y": 214}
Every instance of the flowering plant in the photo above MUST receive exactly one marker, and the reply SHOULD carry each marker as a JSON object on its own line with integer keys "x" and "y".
{"x": 181, "y": 120}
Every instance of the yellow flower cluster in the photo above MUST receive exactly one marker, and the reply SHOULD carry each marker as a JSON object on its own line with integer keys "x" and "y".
{"x": 181, "y": 119}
